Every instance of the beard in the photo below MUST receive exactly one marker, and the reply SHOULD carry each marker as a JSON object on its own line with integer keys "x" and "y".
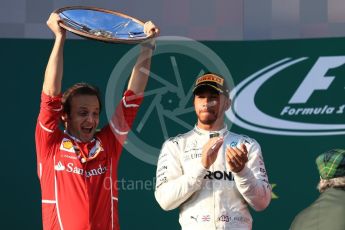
{"x": 207, "y": 121}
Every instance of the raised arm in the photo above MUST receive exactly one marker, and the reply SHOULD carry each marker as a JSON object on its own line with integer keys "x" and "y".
{"x": 54, "y": 69}
{"x": 141, "y": 69}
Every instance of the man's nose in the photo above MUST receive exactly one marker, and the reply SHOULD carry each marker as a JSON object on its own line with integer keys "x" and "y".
{"x": 90, "y": 118}
{"x": 210, "y": 103}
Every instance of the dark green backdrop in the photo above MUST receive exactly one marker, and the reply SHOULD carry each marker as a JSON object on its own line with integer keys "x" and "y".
{"x": 289, "y": 159}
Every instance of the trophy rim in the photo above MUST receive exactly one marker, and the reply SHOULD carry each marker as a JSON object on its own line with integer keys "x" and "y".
{"x": 100, "y": 38}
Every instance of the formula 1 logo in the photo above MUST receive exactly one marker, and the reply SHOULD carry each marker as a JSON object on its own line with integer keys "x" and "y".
{"x": 302, "y": 96}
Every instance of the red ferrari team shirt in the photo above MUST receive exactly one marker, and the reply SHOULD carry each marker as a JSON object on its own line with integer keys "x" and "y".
{"x": 78, "y": 180}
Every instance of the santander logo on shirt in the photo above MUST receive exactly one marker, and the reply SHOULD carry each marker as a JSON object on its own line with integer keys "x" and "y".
{"x": 71, "y": 168}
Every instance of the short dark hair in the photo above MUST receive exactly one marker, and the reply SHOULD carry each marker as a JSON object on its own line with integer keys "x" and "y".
{"x": 79, "y": 89}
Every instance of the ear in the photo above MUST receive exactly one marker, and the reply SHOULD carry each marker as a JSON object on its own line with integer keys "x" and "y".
{"x": 227, "y": 104}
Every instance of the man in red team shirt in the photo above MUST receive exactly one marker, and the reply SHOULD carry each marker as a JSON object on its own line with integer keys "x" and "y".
{"x": 77, "y": 167}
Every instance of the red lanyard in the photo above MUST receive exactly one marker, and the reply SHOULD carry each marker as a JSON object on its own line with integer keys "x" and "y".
{"x": 93, "y": 152}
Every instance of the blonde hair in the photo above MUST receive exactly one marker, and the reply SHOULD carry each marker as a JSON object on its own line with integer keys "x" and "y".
{"x": 337, "y": 182}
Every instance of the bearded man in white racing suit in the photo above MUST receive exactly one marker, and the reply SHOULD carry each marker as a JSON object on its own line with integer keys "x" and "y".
{"x": 212, "y": 174}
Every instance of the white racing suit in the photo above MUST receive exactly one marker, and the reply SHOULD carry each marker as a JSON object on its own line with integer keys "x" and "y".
{"x": 215, "y": 198}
